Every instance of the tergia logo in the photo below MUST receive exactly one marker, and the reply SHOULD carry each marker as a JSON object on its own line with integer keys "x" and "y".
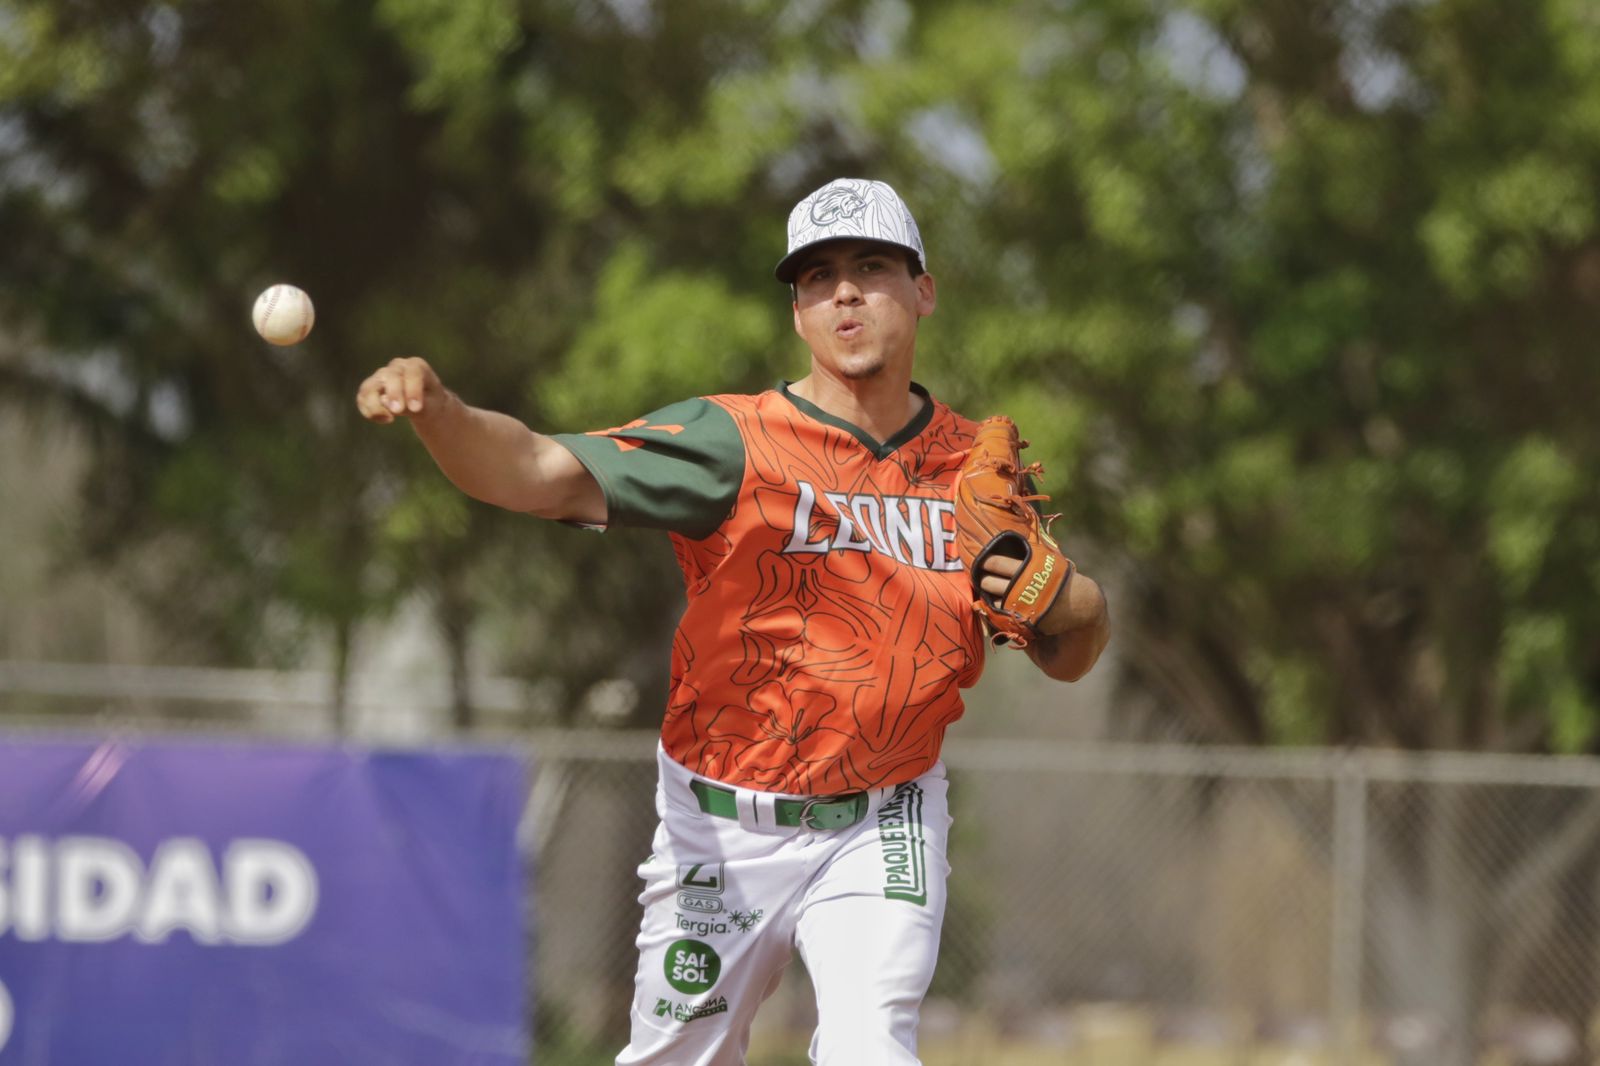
{"x": 841, "y": 201}
{"x": 701, "y": 926}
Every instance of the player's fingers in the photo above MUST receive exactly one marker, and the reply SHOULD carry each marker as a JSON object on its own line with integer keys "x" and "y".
{"x": 390, "y": 383}
{"x": 1003, "y": 566}
{"x": 414, "y": 375}
{"x": 997, "y": 573}
{"x": 372, "y": 410}
{"x": 995, "y": 586}
{"x": 370, "y": 399}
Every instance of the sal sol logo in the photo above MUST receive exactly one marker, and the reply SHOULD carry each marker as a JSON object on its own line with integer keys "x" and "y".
{"x": 747, "y": 921}
{"x": 692, "y": 966}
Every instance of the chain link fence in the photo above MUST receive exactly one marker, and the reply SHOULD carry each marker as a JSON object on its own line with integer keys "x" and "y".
{"x": 1126, "y": 904}
{"x": 1113, "y": 905}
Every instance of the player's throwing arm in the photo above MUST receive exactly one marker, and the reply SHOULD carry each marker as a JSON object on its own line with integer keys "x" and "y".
{"x": 488, "y": 455}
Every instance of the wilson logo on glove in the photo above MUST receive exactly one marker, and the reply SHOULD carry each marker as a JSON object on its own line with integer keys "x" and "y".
{"x": 994, "y": 517}
{"x": 1037, "y": 583}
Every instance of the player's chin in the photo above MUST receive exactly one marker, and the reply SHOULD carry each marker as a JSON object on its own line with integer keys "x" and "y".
{"x": 861, "y": 368}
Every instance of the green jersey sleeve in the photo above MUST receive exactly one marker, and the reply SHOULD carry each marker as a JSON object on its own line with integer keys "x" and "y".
{"x": 679, "y": 468}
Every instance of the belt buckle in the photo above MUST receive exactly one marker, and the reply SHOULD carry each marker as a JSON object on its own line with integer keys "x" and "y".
{"x": 839, "y": 817}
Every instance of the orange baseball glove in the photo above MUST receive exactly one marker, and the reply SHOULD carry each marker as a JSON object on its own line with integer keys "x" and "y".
{"x": 995, "y": 516}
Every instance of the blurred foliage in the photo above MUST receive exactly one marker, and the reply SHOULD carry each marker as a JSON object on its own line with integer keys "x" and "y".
{"x": 1296, "y": 300}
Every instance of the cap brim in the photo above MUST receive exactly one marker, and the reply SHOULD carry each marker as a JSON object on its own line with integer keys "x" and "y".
{"x": 789, "y": 265}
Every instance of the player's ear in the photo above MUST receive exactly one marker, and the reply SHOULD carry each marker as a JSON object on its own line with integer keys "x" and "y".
{"x": 927, "y": 295}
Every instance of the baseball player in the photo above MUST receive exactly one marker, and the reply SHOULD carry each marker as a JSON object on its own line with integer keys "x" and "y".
{"x": 829, "y": 630}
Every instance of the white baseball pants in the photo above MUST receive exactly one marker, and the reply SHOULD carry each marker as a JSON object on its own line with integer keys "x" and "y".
{"x": 727, "y": 900}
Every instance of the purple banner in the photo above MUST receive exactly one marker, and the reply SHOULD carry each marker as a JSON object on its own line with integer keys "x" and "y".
{"x": 173, "y": 904}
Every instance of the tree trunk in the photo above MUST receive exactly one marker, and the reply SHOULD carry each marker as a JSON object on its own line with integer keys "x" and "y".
{"x": 462, "y": 714}
{"x": 454, "y": 613}
{"x": 339, "y": 690}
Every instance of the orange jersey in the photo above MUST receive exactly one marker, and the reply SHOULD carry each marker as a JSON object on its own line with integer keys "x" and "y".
{"x": 829, "y": 626}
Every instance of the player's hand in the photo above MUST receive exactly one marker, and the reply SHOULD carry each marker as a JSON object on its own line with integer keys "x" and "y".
{"x": 1082, "y": 599}
{"x": 999, "y": 571}
{"x": 406, "y": 388}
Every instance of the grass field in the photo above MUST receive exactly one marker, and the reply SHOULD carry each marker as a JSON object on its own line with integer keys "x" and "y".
{"x": 1086, "y": 1036}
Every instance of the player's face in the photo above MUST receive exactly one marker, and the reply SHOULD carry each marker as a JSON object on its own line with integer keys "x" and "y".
{"x": 856, "y": 306}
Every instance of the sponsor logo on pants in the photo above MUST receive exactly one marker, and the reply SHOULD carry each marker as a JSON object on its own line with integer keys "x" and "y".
{"x": 688, "y": 1012}
{"x": 701, "y": 927}
{"x": 905, "y": 864}
{"x": 692, "y": 966}
{"x": 701, "y": 878}
{"x": 700, "y": 904}
{"x": 747, "y": 920}
{"x": 744, "y": 921}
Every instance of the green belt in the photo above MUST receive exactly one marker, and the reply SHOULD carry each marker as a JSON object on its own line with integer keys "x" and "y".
{"x": 818, "y": 812}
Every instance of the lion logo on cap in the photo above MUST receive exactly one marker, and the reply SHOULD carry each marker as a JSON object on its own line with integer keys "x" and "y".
{"x": 841, "y": 201}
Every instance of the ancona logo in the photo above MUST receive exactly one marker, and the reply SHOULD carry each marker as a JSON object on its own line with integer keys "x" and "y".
{"x": 688, "y": 1012}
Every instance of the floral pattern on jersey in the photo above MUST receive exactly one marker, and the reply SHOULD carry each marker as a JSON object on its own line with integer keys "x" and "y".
{"x": 829, "y": 658}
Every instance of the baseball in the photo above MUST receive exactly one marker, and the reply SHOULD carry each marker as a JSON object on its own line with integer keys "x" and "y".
{"x": 283, "y": 315}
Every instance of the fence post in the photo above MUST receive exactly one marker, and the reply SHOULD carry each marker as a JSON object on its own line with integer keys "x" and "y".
{"x": 1347, "y": 952}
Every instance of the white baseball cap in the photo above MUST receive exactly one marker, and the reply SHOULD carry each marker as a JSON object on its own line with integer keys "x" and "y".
{"x": 849, "y": 209}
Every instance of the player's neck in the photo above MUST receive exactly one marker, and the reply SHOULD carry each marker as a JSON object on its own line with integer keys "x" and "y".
{"x": 879, "y": 406}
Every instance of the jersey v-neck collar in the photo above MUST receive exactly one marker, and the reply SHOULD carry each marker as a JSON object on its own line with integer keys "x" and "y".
{"x": 880, "y": 450}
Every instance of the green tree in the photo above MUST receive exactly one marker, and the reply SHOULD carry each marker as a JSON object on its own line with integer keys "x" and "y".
{"x": 1299, "y": 298}
{"x": 423, "y": 170}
